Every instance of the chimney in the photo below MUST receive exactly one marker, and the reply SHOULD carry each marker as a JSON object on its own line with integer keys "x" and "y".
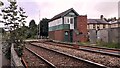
{"x": 101, "y": 17}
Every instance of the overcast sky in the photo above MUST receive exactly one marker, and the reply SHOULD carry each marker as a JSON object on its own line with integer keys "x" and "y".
{"x": 38, "y": 9}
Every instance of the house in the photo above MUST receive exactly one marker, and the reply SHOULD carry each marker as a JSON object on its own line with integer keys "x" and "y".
{"x": 97, "y": 24}
{"x": 68, "y": 26}
{"x": 100, "y": 30}
{"x": 114, "y": 32}
{"x": 97, "y": 30}
{"x": 114, "y": 24}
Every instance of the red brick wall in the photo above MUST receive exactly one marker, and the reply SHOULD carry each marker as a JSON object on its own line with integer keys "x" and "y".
{"x": 51, "y": 34}
{"x": 75, "y": 37}
{"x": 59, "y": 35}
{"x": 81, "y": 27}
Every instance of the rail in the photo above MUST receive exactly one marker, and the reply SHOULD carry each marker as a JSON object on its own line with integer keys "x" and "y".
{"x": 90, "y": 50}
{"x": 49, "y": 63}
{"x": 78, "y": 58}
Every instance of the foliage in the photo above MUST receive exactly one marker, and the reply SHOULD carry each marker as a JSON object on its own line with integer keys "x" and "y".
{"x": 14, "y": 18}
{"x": 32, "y": 24}
{"x": 2, "y": 30}
{"x": 1, "y": 3}
{"x": 109, "y": 19}
{"x": 23, "y": 32}
{"x": 44, "y": 27}
{"x": 32, "y": 31}
{"x": 8, "y": 50}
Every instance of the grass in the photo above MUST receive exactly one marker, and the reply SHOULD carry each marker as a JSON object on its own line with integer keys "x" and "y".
{"x": 109, "y": 45}
{"x": 102, "y": 44}
{"x": 84, "y": 43}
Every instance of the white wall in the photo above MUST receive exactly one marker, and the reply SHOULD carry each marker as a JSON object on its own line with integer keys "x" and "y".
{"x": 59, "y": 21}
{"x": 55, "y": 22}
{"x": 90, "y": 26}
{"x": 114, "y": 25}
{"x": 68, "y": 22}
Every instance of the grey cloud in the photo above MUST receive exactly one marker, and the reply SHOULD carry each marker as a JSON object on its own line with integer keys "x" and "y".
{"x": 107, "y": 8}
{"x": 31, "y": 8}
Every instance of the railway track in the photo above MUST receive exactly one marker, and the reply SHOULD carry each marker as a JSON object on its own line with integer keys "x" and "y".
{"x": 102, "y": 50}
{"x": 31, "y": 59}
{"x": 61, "y": 59}
{"x": 107, "y": 60}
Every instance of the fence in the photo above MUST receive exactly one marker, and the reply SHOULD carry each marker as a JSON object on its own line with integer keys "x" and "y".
{"x": 105, "y": 35}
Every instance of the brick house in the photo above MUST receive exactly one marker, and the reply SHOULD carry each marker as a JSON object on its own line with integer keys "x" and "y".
{"x": 68, "y": 26}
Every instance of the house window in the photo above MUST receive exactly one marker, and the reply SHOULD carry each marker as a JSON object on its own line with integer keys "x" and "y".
{"x": 93, "y": 26}
{"x": 88, "y": 26}
{"x": 104, "y": 26}
{"x": 68, "y": 20}
{"x": 98, "y": 27}
{"x": 66, "y": 32}
{"x": 71, "y": 20}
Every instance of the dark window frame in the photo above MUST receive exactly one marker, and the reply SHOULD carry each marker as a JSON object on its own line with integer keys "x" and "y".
{"x": 93, "y": 26}
{"x": 104, "y": 25}
{"x": 71, "y": 20}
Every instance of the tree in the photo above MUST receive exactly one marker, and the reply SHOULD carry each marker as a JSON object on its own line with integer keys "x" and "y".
{"x": 23, "y": 32}
{"x": 32, "y": 29}
{"x": 14, "y": 17}
{"x": 32, "y": 24}
{"x": 105, "y": 19}
{"x": 1, "y": 3}
{"x": 44, "y": 27}
{"x": 115, "y": 19}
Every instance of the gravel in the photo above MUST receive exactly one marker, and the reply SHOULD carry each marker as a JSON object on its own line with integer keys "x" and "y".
{"x": 110, "y": 61}
{"x": 60, "y": 60}
{"x": 32, "y": 60}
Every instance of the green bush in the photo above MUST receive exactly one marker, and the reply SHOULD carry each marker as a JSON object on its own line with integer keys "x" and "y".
{"x": 19, "y": 47}
{"x": 8, "y": 49}
{"x": 8, "y": 53}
